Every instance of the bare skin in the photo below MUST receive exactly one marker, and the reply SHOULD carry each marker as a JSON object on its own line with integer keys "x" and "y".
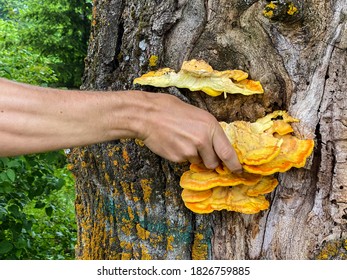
{"x": 35, "y": 119}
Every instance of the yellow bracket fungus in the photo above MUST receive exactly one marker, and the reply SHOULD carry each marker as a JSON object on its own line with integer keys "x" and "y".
{"x": 241, "y": 198}
{"x": 197, "y": 75}
{"x": 267, "y": 146}
{"x": 264, "y": 147}
{"x": 204, "y": 180}
{"x": 293, "y": 153}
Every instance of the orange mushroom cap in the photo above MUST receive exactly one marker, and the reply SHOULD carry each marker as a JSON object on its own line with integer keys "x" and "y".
{"x": 209, "y": 179}
{"x": 281, "y": 127}
{"x": 195, "y": 196}
{"x": 294, "y": 153}
{"x": 241, "y": 198}
{"x": 261, "y": 143}
{"x": 199, "y": 75}
{"x": 252, "y": 145}
{"x": 263, "y": 147}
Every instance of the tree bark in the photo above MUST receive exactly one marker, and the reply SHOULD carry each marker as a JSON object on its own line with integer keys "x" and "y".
{"x": 128, "y": 202}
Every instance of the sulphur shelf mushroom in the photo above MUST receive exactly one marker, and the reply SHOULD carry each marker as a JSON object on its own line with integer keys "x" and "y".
{"x": 267, "y": 146}
{"x": 263, "y": 147}
{"x": 247, "y": 199}
{"x": 199, "y": 75}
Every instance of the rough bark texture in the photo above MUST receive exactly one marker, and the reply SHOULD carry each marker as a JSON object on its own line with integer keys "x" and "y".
{"x": 128, "y": 199}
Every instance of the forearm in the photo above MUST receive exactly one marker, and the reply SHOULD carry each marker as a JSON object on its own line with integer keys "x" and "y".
{"x": 35, "y": 119}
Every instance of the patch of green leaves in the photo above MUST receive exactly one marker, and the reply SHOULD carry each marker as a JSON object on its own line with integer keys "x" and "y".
{"x": 43, "y": 43}
{"x": 36, "y": 201}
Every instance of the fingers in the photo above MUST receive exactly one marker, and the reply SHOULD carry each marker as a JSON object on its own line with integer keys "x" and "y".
{"x": 225, "y": 151}
{"x": 196, "y": 159}
{"x": 219, "y": 149}
{"x": 209, "y": 157}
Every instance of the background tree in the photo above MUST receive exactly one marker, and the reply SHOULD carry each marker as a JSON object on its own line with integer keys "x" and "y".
{"x": 128, "y": 199}
{"x": 59, "y": 30}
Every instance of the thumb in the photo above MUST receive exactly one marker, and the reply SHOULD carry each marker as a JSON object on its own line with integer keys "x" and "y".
{"x": 225, "y": 150}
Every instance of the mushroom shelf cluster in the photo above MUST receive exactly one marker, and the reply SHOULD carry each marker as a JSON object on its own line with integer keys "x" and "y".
{"x": 207, "y": 190}
{"x": 199, "y": 75}
{"x": 263, "y": 147}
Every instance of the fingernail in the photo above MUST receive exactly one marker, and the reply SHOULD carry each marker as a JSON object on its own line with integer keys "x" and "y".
{"x": 234, "y": 166}
{"x": 238, "y": 171}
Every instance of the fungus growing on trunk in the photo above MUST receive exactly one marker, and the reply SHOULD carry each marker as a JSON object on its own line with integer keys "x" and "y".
{"x": 264, "y": 147}
{"x": 204, "y": 180}
{"x": 247, "y": 199}
{"x": 198, "y": 75}
{"x": 293, "y": 153}
{"x": 252, "y": 145}
{"x": 267, "y": 146}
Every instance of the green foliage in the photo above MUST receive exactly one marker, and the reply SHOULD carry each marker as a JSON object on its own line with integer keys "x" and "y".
{"x": 42, "y": 43}
{"x": 58, "y": 30}
{"x": 29, "y": 183}
{"x": 20, "y": 63}
{"x": 55, "y": 33}
{"x": 54, "y": 229}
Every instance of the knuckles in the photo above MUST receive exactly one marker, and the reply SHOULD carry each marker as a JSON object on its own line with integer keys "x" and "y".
{"x": 225, "y": 153}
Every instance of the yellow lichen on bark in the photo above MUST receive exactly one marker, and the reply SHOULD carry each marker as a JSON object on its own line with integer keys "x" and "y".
{"x": 292, "y": 9}
{"x": 125, "y": 155}
{"x": 127, "y": 247}
{"x": 153, "y": 60}
{"x": 127, "y": 227}
{"x": 141, "y": 232}
{"x": 145, "y": 255}
{"x": 146, "y": 189}
{"x": 92, "y": 236}
{"x": 139, "y": 142}
{"x": 107, "y": 178}
{"x": 200, "y": 249}
{"x": 333, "y": 250}
{"x": 127, "y": 190}
{"x": 131, "y": 213}
{"x": 169, "y": 246}
{"x": 85, "y": 225}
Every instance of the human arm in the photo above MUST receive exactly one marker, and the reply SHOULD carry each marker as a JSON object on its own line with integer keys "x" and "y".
{"x": 35, "y": 119}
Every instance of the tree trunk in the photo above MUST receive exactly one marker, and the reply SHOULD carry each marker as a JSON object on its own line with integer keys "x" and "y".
{"x": 128, "y": 199}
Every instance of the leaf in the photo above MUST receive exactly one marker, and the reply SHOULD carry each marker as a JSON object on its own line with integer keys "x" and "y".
{"x": 11, "y": 175}
{"x": 16, "y": 229}
{"x": 4, "y": 161}
{"x": 21, "y": 243}
{"x": 60, "y": 183}
{"x": 27, "y": 225}
{"x": 4, "y": 177}
{"x": 14, "y": 163}
{"x": 3, "y": 212}
{"x": 59, "y": 234}
{"x": 5, "y": 247}
{"x": 5, "y": 186}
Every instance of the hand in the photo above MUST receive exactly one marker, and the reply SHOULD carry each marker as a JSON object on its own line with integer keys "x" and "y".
{"x": 178, "y": 132}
